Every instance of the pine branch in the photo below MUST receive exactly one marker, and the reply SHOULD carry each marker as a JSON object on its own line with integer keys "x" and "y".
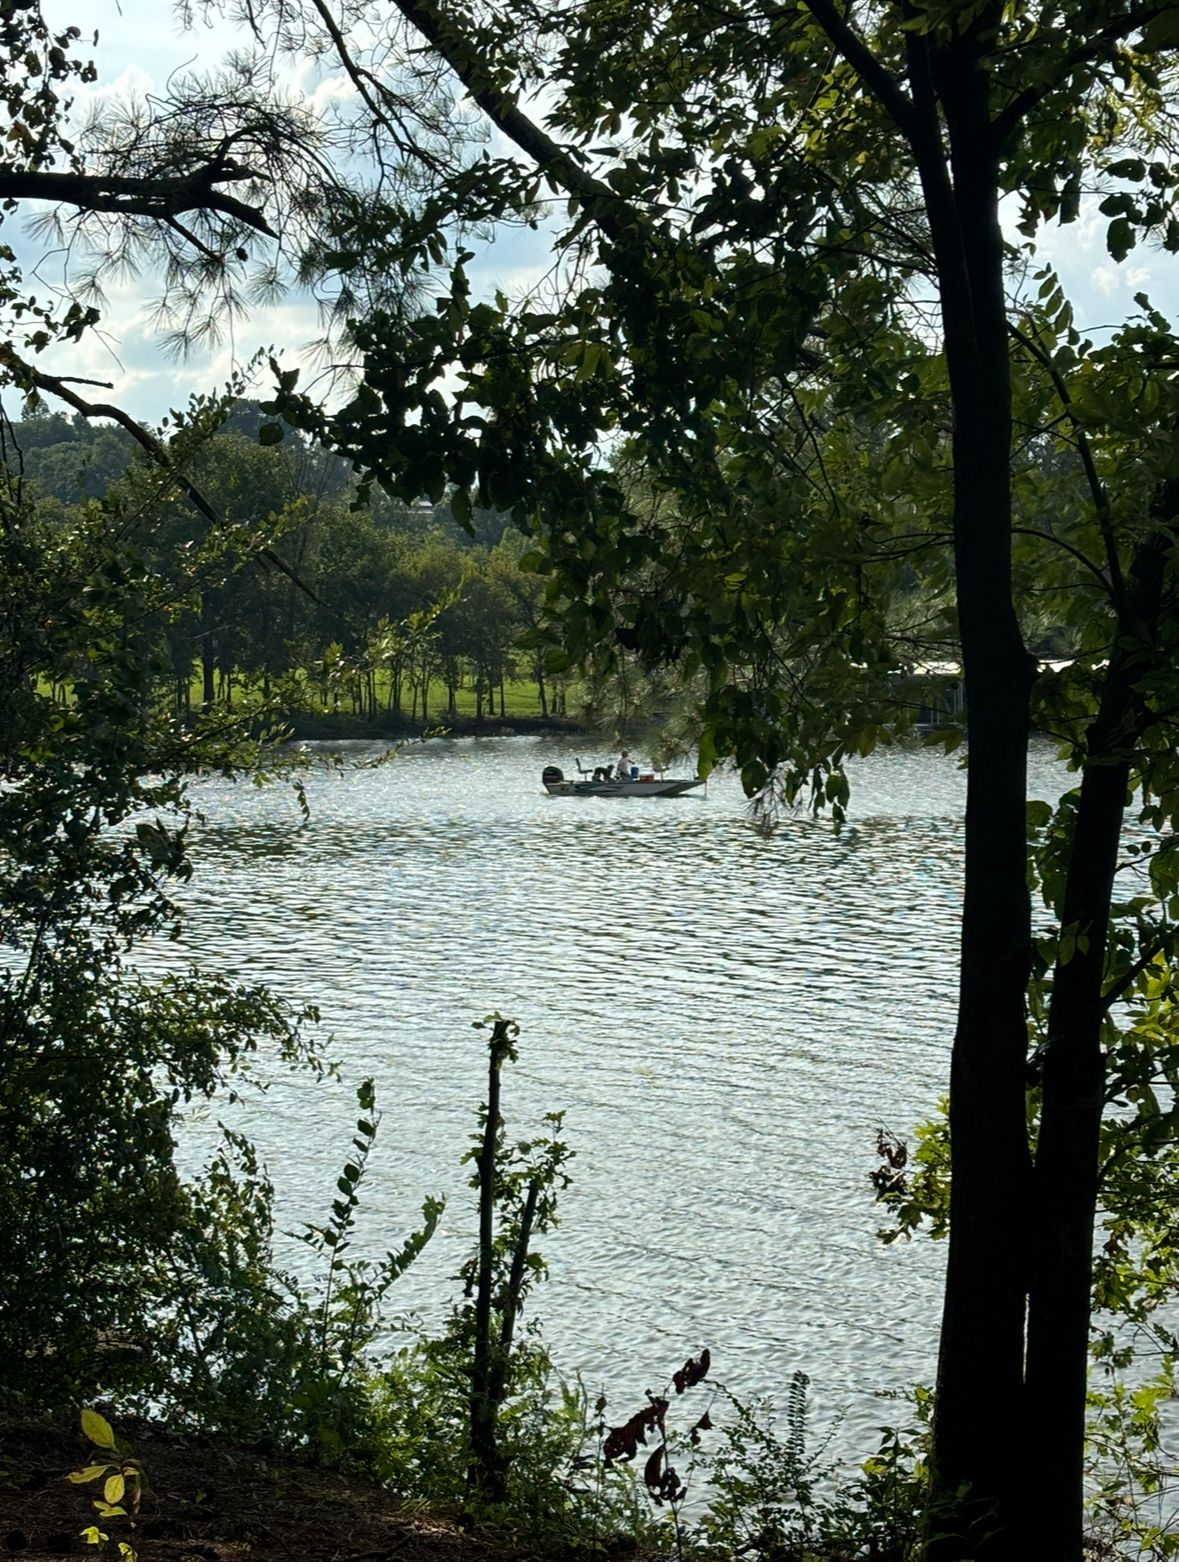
{"x": 162, "y": 198}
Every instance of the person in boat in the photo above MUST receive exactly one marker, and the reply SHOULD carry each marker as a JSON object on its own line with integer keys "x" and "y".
{"x": 622, "y": 767}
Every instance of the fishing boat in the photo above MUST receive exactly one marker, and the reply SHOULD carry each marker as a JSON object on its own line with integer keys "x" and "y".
{"x": 593, "y": 783}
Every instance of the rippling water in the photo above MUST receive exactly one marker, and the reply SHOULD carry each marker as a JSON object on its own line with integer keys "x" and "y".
{"x": 725, "y": 1018}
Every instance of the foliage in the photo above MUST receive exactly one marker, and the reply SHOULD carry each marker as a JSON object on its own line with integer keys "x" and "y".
{"x": 1131, "y": 1504}
{"x": 915, "y": 1189}
{"x": 251, "y": 1350}
{"x": 754, "y": 212}
{"x": 117, "y": 1272}
{"x": 476, "y": 1415}
{"x": 517, "y": 1185}
{"x": 122, "y": 1483}
{"x": 285, "y": 578}
{"x": 346, "y": 1318}
{"x": 662, "y": 1481}
{"x": 98, "y": 1063}
{"x": 559, "y": 1497}
{"x": 771, "y": 1498}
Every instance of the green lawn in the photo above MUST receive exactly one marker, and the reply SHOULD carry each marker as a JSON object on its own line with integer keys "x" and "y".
{"x": 522, "y": 699}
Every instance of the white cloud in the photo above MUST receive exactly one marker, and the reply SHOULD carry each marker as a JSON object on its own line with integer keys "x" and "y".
{"x": 1112, "y": 281}
{"x": 126, "y": 358}
{"x": 1102, "y": 290}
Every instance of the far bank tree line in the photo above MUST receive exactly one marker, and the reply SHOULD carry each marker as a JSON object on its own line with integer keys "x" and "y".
{"x": 389, "y": 612}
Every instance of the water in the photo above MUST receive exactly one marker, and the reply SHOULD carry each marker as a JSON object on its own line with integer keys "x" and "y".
{"x": 725, "y": 1018}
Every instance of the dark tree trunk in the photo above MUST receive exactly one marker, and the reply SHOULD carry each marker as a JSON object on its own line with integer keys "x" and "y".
{"x": 487, "y": 1470}
{"x": 1074, "y": 1082}
{"x": 978, "y": 1418}
{"x": 540, "y": 690}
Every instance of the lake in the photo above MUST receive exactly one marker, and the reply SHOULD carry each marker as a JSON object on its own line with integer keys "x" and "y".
{"x": 725, "y": 1018}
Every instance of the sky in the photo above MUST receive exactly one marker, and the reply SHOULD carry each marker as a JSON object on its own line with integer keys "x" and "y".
{"x": 141, "y": 43}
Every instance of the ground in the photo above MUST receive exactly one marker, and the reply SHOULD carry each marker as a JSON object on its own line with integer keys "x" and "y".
{"x": 207, "y": 1501}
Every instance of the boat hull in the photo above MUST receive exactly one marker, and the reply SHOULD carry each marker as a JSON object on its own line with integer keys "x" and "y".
{"x": 632, "y": 789}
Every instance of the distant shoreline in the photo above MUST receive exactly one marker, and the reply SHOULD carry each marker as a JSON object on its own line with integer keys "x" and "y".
{"x": 349, "y": 726}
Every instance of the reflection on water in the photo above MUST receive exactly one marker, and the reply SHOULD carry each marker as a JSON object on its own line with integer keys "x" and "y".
{"x": 726, "y": 1018}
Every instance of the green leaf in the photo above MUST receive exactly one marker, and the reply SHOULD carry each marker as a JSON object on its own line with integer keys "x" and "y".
{"x": 270, "y": 434}
{"x": 97, "y": 1430}
{"x": 90, "y": 1472}
{"x": 460, "y": 508}
{"x": 114, "y": 1488}
{"x": 1120, "y": 238}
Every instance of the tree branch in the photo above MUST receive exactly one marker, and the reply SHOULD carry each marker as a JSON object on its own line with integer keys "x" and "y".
{"x": 1050, "y": 538}
{"x": 612, "y": 213}
{"x": 1116, "y": 585}
{"x": 1118, "y": 989}
{"x": 373, "y": 93}
{"x": 160, "y": 198}
{"x": 1117, "y": 28}
{"x": 867, "y": 67}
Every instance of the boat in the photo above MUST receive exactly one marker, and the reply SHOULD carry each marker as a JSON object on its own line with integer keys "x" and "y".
{"x": 593, "y": 784}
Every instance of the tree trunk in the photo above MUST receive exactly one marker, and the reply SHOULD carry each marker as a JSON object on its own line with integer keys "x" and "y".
{"x": 487, "y": 1471}
{"x": 208, "y": 662}
{"x": 1074, "y": 1084}
{"x": 978, "y": 1414}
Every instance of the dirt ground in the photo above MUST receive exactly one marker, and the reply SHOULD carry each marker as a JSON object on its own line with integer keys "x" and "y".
{"x": 205, "y": 1501}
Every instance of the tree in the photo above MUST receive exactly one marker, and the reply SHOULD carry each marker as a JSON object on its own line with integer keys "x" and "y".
{"x": 522, "y": 592}
{"x": 106, "y": 1249}
{"x": 96, "y": 1062}
{"x": 750, "y": 197}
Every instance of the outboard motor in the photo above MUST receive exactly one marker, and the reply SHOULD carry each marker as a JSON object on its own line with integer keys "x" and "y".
{"x": 552, "y": 775}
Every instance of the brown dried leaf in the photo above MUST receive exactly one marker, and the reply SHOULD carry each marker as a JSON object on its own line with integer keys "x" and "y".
{"x": 653, "y": 1470}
